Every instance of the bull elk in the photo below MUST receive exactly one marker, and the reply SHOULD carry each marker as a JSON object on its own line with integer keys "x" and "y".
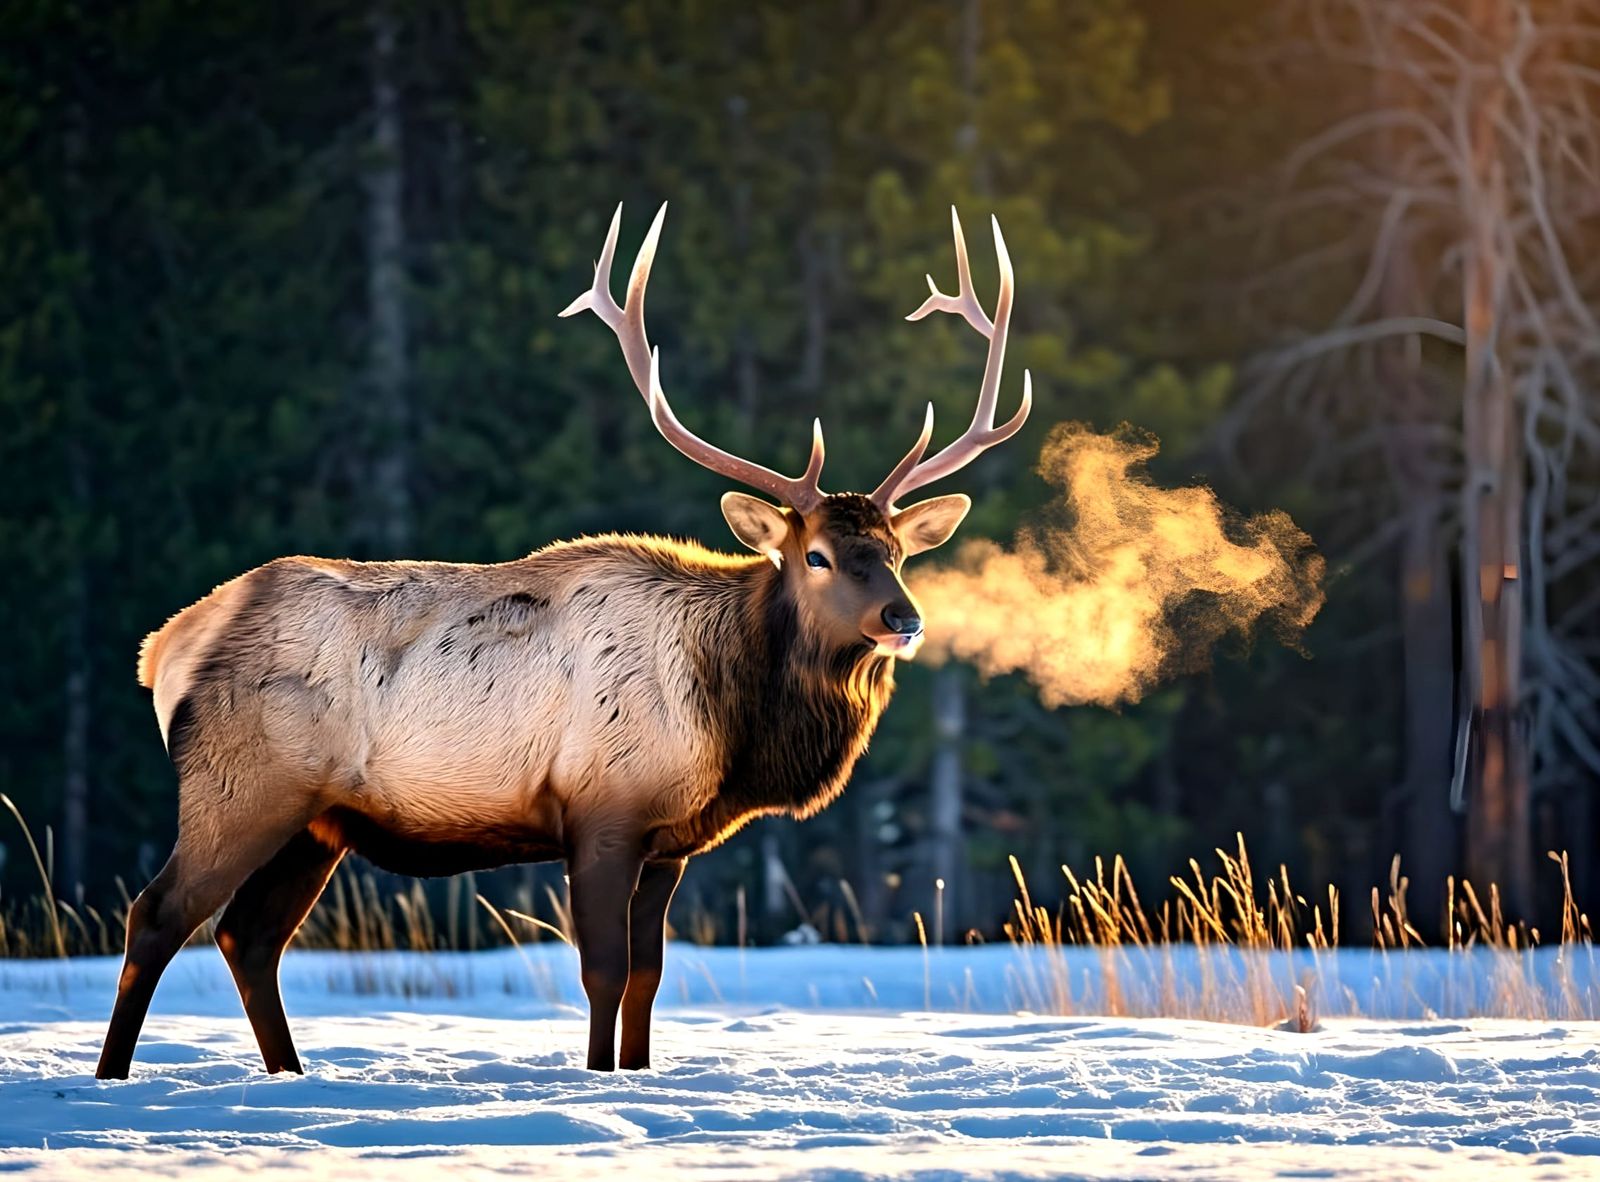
{"x": 621, "y": 703}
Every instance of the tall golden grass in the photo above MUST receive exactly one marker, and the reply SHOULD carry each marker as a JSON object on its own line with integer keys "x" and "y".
{"x": 1249, "y": 945}
{"x": 1247, "y": 938}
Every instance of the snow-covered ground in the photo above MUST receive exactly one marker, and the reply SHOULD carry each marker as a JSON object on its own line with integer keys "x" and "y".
{"x": 814, "y": 1062}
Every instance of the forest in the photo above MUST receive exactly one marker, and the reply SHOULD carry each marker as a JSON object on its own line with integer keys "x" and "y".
{"x": 284, "y": 279}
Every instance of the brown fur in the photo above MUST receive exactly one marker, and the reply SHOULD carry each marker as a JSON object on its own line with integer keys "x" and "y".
{"x": 619, "y": 702}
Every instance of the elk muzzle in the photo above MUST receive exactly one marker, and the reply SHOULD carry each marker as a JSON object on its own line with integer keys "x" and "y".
{"x": 901, "y": 632}
{"x": 902, "y": 619}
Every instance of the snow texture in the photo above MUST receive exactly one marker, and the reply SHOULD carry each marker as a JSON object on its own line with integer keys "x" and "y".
{"x": 806, "y": 1063}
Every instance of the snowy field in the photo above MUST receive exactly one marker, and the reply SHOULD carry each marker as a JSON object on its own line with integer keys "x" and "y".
{"x": 807, "y": 1063}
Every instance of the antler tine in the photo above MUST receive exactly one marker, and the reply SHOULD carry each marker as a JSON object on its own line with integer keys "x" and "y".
{"x": 965, "y": 302}
{"x": 644, "y": 365}
{"x": 633, "y": 311}
{"x": 981, "y": 434}
{"x": 598, "y": 298}
{"x": 629, "y": 329}
{"x": 883, "y": 495}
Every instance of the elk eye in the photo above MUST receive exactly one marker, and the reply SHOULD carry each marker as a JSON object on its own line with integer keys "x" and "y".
{"x": 817, "y": 560}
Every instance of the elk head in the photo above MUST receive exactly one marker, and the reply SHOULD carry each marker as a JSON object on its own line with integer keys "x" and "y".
{"x": 841, "y": 553}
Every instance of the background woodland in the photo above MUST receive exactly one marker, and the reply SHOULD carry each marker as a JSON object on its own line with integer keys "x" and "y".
{"x": 284, "y": 279}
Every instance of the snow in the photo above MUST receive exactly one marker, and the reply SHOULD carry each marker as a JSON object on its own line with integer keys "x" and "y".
{"x": 816, "y": 1062}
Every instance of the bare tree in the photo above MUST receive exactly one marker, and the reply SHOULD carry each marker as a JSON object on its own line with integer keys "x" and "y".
{"x": 1465, "y": 194}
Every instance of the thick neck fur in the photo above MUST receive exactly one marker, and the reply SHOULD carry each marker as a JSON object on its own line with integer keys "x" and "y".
{"x": 793, "y": 714}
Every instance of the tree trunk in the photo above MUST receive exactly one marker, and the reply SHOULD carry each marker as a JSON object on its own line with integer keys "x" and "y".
{"x": 1497, "y": 792}
{"x": 746, "y": 379}
{"x": 774, "y": 895}
{"x": 388, "y": 377}
{"x": 946, "y": 848}
{"x": 1428, "y": 831}
{"x": 813, "y": 246}
{"x": 968, "y": 134}
{"x": 77, "y": 700}
{"x": 945, "y": 844}
{"x": 1420, "y": 824}
{"x": 76, "y": 726}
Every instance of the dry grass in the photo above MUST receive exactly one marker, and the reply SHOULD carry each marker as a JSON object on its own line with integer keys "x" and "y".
{"x": 1257, "y": 947}
{"x": 1225, "y": 946}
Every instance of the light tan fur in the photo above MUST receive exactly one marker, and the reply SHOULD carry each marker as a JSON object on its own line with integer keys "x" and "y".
{"x": 430, "y": 696}
{"x": 169, "y": 654}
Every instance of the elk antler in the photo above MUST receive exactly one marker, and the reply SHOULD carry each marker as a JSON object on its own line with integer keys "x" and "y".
{"x": 644, "y": 363}
{"x": 913, "y": 472}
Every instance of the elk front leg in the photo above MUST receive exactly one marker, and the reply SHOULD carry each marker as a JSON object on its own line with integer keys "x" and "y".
{"x": 602, "y": 879}
{"x": 647, "y": 934}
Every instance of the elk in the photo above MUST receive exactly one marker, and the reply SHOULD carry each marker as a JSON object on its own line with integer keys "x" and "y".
{"x": 621, "y": 703}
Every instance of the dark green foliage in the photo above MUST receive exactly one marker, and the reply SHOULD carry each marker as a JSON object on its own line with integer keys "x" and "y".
{"x": 184, "y": 325}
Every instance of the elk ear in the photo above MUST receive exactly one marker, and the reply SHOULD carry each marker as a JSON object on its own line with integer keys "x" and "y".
{"x": 930, "y": 523}
{"x": 757, "y": 523}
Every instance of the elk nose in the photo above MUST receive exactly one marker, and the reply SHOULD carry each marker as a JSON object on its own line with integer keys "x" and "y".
{"x": 902, "y": 620}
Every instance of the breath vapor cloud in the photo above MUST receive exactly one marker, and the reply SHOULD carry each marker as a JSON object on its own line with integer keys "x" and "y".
{"x": 1137, "y": 582}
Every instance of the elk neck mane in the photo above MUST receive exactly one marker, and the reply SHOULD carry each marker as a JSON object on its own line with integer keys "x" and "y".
{"x": 790, "y": 713}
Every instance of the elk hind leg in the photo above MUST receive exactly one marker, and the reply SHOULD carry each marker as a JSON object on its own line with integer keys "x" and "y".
{"x": 257, "y": 926}
{"x": 213, "y": 856}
